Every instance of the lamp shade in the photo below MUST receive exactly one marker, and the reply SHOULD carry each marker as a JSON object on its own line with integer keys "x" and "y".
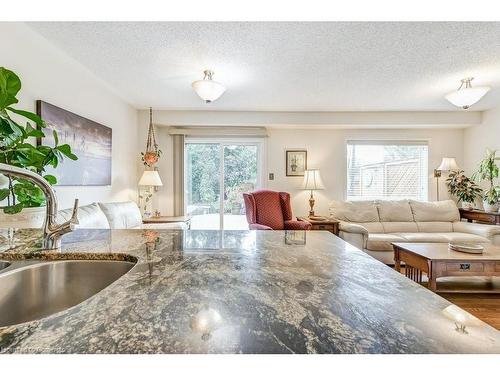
{"x": 312, "y": 180}
{"x": 464, "y": 98}
{"x": 448, "y": 164}
{"x": 208, "y": 89}
{"x": 150, "y": 178}
{"x": 466, "y": 95}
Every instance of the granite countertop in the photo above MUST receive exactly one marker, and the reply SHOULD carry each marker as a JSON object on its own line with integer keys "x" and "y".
{"x": 261, "y": 291}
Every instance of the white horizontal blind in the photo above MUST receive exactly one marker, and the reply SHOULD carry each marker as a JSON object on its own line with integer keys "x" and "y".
{"x": 387, "y": 170}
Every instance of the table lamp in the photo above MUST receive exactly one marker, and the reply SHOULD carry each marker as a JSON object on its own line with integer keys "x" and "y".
{"x": 312, "y": 181}
{"x": 447, "y": 164}
{"x": 150, "y": 179}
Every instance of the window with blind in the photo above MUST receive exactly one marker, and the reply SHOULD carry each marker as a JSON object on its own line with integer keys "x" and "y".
{"x": 387, "y": 170}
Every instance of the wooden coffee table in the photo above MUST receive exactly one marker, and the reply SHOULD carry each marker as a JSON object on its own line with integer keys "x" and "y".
{"x": 435, "y": 260}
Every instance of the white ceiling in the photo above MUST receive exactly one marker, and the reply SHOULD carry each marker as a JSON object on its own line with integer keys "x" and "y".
{"x": 289, "y": 66}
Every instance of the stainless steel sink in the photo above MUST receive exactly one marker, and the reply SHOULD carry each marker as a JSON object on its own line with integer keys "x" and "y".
{"x": 32, "y": 291}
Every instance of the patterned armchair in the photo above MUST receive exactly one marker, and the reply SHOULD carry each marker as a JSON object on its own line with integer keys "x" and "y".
{"x": 268, "y": 210}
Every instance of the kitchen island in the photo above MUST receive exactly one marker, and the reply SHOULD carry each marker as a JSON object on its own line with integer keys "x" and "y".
{"x": 238, "y": 292}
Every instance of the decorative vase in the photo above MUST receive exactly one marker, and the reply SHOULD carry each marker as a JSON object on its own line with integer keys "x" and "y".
{"x": 490, "y": 207}
{"x": 467, "y": 205}
{"x": 28, "y": 218}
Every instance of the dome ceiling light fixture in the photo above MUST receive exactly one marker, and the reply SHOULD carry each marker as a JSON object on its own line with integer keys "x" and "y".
{"x": 466, "y": 95}
{"x": 208, "y": 89}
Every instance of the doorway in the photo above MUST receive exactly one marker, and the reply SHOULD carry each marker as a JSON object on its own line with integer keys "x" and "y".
{"x": 217, "y": 173}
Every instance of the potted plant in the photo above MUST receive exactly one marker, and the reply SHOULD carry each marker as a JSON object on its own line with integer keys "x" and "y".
{"x": 488, "y": 171}
{"x": 462, "y": 187}
{"x": 18, "y": 147}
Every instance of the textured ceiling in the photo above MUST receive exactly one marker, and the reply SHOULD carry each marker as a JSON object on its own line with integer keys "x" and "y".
{"x": 299, "y": 66}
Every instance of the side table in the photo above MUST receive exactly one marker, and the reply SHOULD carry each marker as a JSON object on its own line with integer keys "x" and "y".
{"x": 168, "y": 219}
{"x": 330, "y": 225}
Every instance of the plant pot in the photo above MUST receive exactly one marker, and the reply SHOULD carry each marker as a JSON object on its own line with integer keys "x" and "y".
{"x": 490, "y": 207}
{"x": 468, "y": 205}
{"x": 27, "y": 218}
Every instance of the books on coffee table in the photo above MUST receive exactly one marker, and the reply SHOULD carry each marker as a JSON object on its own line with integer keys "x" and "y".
{"x": 466, "y": 247}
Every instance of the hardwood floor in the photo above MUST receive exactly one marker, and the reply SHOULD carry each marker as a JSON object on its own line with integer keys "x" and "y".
{"x": 483, "y": 306}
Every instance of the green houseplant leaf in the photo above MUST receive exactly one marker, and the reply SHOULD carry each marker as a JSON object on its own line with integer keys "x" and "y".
{"x": 488, "y": 171}
{"x": 16, "y": 148}
{"x": 10, "y": 84}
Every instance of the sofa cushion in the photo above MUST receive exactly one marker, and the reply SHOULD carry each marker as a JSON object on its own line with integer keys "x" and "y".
{"x": 424, "y": 237}
{"x": 122, "y": 215}
{"x": 442, "y": 237}
{"x": 354, "y": 211}
{"x": 465, "y": 237}
{"x": 434, "y": 211}
{"x": 375, "y": 227}
{"x": 394, "y": 211}
{"x": 399, "y": 226}
{"x": 89, "y": 217}
{"x": 382, "y": 241}
{"x": 434, "y": 226}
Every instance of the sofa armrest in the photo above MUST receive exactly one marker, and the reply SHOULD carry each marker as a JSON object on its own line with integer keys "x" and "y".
{"x": 483, "y": 230}
{"x": 355, "y": 234}
{"x": 259, "y": 227}
{"x": 352, "y": 228}
{"x": 297, "y": 225}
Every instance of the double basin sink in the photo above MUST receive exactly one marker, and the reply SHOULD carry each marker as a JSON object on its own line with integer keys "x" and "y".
{"x": 31, "y": 290}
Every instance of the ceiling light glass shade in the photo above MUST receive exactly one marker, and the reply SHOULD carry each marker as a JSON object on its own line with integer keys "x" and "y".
{"x": 150, "y": 178}
{"x": 448, "y": 164}
{"x": 466, "y": 96}
{"x": 208, "y": 89}
{"x": 312, "y": 180}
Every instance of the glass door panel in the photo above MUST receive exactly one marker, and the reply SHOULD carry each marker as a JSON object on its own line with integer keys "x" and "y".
{"x": 217, "y": 173}
{"x": 240, "y": 176}
{"x": 203, "y": 184}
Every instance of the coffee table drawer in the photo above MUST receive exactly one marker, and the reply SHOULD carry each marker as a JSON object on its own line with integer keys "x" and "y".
{"x": 464, "y": 267}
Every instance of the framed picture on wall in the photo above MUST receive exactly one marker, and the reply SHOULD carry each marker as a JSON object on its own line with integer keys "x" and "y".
{"x": 89, "y": 140}
{"x": 296, "y": 162}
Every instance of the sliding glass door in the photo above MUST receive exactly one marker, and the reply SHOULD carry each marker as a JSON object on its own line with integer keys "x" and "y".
{"x": 216, "y": 176}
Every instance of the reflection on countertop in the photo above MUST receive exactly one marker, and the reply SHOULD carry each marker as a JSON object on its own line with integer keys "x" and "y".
{"x": 238, "y": 292}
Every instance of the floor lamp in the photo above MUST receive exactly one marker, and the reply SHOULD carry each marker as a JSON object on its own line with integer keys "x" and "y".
{"x": 447, "y": 164}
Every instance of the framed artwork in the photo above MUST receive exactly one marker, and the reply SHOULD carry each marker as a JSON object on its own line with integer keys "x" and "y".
{"x": 296, "y": 162}
{"x": 89, "y": 140}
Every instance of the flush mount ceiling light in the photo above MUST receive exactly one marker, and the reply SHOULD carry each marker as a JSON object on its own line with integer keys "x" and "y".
{"x": 208, "y": 89}
{"x": 466, "y": 96}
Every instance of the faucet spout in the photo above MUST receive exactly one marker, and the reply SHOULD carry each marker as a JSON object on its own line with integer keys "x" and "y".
{"x": 52, "y": 231}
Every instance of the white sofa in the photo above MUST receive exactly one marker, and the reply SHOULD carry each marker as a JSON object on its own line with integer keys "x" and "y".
{"x": 373, "y": 225}
{"x": 117, "y": 215}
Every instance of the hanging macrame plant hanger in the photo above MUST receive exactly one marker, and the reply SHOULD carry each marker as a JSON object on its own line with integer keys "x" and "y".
{"x": 152, "y": 154}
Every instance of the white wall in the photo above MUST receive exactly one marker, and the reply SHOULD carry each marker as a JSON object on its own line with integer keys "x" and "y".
{"x": 479, "y": 137}
{"x": 326, "y": 151}
{"x": 48, "y": 74}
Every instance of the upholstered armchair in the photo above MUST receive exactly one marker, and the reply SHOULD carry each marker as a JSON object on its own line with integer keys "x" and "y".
{"x": 268, "y": 210}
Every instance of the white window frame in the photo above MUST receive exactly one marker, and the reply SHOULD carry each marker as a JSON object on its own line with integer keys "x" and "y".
{"x": 384, "y": 141}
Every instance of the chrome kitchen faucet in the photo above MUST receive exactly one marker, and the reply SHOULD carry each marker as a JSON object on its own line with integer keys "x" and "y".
{"x": 52, "y": 232}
